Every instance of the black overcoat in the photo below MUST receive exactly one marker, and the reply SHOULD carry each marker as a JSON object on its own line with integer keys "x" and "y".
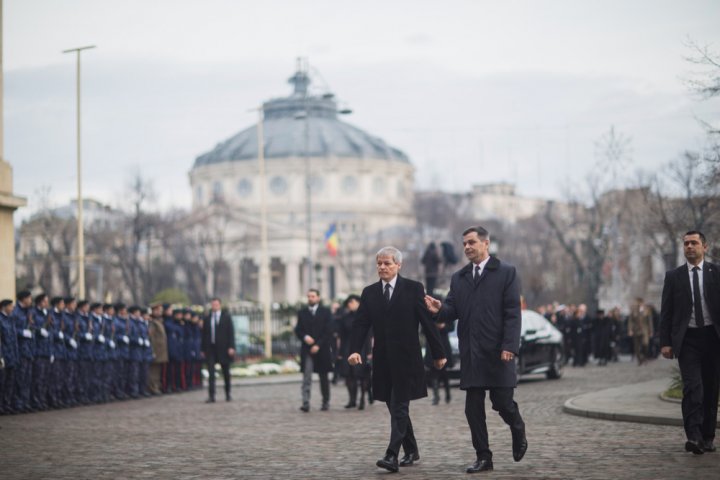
{"x": 677, "y": 303}
{"x": 397, "y": 356}
{"x": 489, "y": 322}
{"x": 224, "y": 336}
{"x": 320, "y": 328}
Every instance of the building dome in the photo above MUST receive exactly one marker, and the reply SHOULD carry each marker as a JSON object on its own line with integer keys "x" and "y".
{"x": 285, "y": 128}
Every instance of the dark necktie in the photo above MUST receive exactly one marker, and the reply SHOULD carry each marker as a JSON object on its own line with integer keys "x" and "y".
{"x": 387, "y": 292}
{"x": 477, "y": 274}
{"x": 697, "y": 299}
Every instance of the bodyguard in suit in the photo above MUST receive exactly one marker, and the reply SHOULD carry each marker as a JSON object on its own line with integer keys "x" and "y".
{"x": 690, "y": 332}
{"x": 485, "y": 298}
{"x": 394, "y": 308}
{"x": 218, "y": 346}
{"x": 315, "y": 330}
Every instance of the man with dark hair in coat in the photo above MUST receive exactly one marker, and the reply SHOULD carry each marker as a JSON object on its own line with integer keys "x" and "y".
{"x": 218, "y": 346}
{"x": 395, "y": 310}
{"x": 485, "y": 298}
{"x": 690, "y": 332}
{"x": 315, "y": 330}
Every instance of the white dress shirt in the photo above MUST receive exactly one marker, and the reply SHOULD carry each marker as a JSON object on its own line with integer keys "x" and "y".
{"x": 703, "y": 303}
{"x": 392, "y": 285}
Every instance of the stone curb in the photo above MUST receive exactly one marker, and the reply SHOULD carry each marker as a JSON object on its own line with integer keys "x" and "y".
{"x": 570, "y": 408}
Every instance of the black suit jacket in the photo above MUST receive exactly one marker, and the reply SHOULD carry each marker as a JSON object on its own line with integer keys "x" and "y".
{"x": 397, "y": 356}
{"x": 224, "y": 336}
{"x": 677, "y": 303}
{"x": 320, "y": 328}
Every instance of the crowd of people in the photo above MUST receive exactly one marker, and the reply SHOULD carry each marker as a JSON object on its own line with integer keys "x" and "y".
{"x": 607, "y": 333}
{"x": 62, "y": 352}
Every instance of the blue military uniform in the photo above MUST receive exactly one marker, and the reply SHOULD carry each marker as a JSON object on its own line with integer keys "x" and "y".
{"x": 146, "y": 357}
{"x": 174, "y": 353}
{"x": 58, "y": 368}
{"x": 26, "y": 348}
{"x": 70, "y": 383}
{"x": 122, "y": 358}
{"x": 86, "y": 356}
{"x": 97, "y": 390}
{"x": 43, "y": 358}
{"x": 136, "y": 349}
{"x": 108, "y": 378}
{"x": 11, "y": 359}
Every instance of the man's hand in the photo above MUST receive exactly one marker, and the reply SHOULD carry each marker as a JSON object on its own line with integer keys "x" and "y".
{"x": 354, "y": 359}
{"x": 231, "y": 352}
{"x": 667, "y": 352}
{"x": 202, "y": 355}
{"x": 308, "y": 340}
{"x": 440, "y": 363}
{"x": 440, "y": 325}
{"x": 433, "y": 304}
{"x": 506, "y": 356}
{"x": 314, "y": 349}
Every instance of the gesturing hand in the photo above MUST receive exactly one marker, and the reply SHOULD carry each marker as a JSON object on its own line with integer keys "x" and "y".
{"x": 433, "y": 304}
{"x": 314, "y": 349}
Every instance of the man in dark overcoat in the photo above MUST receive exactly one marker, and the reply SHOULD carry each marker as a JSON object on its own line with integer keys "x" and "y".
{"x": 218, "y": 346}
{"x": 690, "y": 332}
{"x": 485, "y": 298}
{"x": 394, "y": 307}
{"x": 315, "y": 330}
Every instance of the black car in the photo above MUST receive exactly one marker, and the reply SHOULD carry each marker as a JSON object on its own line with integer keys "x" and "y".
{"x": 541, "y": 348}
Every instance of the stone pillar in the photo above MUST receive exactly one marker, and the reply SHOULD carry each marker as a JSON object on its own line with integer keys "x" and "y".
{"x": 235, "y": 280}
{"x": 8, "y": 204}
{"x": 292, "y": 281}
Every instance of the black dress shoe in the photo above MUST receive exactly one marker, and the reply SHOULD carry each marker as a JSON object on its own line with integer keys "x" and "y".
{"x": 519, "y": 446}
{"x": 388, "y": 462}
{"x": 708, "y": 446}
{"x": 480, "y": 465}
{"x": 350, "y": 405}
{"x": 325, "y": 407}
{"x": 409, "y": 459}
{"x": 305, "y": 408}
{"x": 228, "y": 398}
{"x": 694, "y": 447}
{"x": 210, "y": 400}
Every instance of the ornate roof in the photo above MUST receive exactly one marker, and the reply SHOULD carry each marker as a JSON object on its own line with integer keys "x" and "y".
{"x": 302, "y": 123}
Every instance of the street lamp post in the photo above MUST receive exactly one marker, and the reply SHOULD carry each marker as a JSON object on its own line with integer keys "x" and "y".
{"x": 80, "y": 233}
{"x": 265, "y": 282}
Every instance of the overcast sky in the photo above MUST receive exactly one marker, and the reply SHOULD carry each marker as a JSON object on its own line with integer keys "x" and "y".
{"x": 473, "y": 91}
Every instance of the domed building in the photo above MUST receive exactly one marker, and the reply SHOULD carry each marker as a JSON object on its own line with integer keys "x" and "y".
{"x": 318, "y": 167}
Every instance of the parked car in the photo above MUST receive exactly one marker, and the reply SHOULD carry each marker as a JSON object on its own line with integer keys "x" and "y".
{"x": 541, "y": 348}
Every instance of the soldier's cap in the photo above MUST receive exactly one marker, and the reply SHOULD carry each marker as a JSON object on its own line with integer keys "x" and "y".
{"x": 95, "y": 305}
{"x": 120, "y": 306}
{"x": 82, "y": 303}
{"x": 156, "y": 305}
{"x": 5, "y": 303}
{"x": 108, "y": 306}
{"x": 55, "y": 300}
{"x": 165, "y": 306}
{"x": 69, "y": 300}
{"x": 178, "y": 311}
{"x": 134, "y": 309}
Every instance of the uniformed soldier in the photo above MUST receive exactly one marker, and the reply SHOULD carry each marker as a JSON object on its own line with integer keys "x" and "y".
{"x": 174, "y": 352}
{"x": 197, "y": 349}
{"x": 97, "y": 392}
{"x": 9, "y": 342}
{"x": 86, "y": 351}
{"x": 58, "y": 368}
{"x": 136, "y": 347}
{"x": 43, "y": 353}
{"x": 109, "y": 375}
{"x": 188, "y": 349}
{"x": 122, "y": 342}
{"x": 168, "y": 375}
{"x": 70, "y": 380}
{"x": 158, "y": 342}
{"x": 146, "y": 354}
{"x": 23, "y": 319}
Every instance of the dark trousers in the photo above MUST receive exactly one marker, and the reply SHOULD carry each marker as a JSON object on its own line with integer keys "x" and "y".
{"x": 40, "y": 382}
{"x": 7, "y": 388}
{"x": 401, "y": 429}
{"x": 97, "y": 392}
{"x": 120, "y": 379}
{"x": 85, "y": 369}
{"x": 503, "y": 403}
{"x": 55, "y": 393}
{"x": 699, "y": 362}
{"x": 133, "y": 369}
{"x": 69, "y": 384}
{"x": 143, "y": 371}
{"x": 212, "y": 357}
{"x": 23, "y": 383}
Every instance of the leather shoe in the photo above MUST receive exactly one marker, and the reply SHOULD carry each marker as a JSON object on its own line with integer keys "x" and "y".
{"x": 305, "y": 408}
{"x": 325, "y": 407}
{"x": 519, "y": 446}
{"x": 708, "y": 446}
{"x": 694, "y": 447}
{"x": 409, "y": 459}
{"x": 228, "y": 398}
{"x": 480, "y": 465}
{"x": 210, "y": 400}
{"x": 388, "y": 462}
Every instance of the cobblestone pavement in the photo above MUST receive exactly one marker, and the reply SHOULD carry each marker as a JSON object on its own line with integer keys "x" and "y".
{"x": 262, "y": 434}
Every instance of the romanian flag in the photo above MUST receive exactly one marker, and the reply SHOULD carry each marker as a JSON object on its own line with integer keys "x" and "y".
{"x": 331, "y": 240}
